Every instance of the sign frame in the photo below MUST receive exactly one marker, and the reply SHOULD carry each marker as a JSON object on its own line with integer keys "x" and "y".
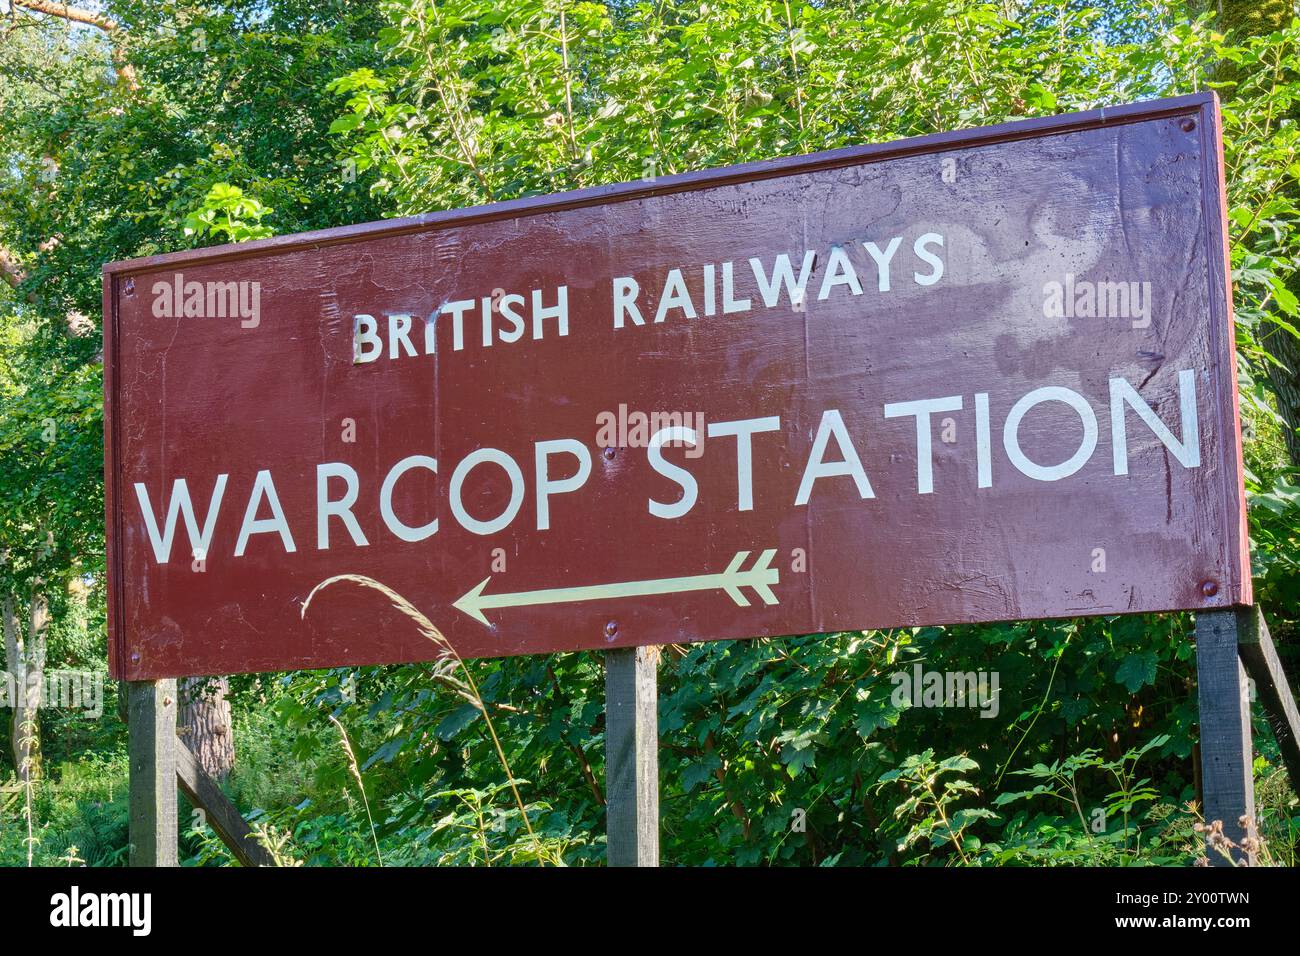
{"x": 1197, "y": 112}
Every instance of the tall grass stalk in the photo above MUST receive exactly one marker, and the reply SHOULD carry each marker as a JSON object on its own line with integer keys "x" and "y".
{"x": 27, "y": 730}
{"x": 356, "y": 775}
{"x": 467, "y": 688}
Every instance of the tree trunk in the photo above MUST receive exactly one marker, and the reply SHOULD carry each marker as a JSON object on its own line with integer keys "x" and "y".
{"x": 203, "y": 724}
{"x": 1255, "y": 18}
{"x": 1259, "y": 18}
{"x": 13, "y": 671}
{"x": 25, "y": 660}
{"x": 1284, "y": 347}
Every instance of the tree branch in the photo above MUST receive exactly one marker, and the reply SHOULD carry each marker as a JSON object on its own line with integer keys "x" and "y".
{"x": 109, "y": 26}
{"x": 10, "y": 270}
{"x": 76, "y": 14}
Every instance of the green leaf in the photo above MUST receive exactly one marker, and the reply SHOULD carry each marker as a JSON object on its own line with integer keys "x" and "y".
{"x": 1137, "y": 671}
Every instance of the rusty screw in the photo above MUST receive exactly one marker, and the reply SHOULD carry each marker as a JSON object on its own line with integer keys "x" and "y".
{"x": 1209, "y": 588}
{"x": 1188, "y": 125}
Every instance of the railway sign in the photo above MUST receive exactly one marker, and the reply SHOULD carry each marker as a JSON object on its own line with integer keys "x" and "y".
{"x": 977, "y": 376}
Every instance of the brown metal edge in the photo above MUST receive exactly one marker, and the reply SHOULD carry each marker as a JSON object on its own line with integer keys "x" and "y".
{"x": 1223, "y": 327}
{"x": 112, "y": 525}
{"x": 683, "y": 182}
{"x": 599, "y": 643}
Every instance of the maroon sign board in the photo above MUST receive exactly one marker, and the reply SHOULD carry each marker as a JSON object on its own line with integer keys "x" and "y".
{"x": 977, "y": 376}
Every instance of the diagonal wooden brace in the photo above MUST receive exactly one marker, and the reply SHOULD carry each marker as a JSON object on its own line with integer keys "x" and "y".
{"x": 1263, "y": 666}
{"x": 222, "y": 815}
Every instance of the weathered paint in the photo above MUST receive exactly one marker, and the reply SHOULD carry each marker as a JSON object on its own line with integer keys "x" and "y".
{"x": 1131, "y": 194}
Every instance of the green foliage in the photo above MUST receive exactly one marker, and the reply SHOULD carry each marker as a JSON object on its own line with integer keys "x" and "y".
{"x": 931, "y": 791}
{"x": 229, "y": 215}
{"x": 81, "y": 810}
{"x": 1110, "y": 831}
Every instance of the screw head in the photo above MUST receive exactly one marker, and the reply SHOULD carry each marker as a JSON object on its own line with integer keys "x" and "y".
{"x": 1209, "y": 588}
{"x": 1188, "y": 125}
{"x": 611, "y": 629}
{"x": 609, "y": 453}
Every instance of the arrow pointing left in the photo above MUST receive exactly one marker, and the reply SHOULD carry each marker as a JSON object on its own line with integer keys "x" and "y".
{"x": 760, "y": 578}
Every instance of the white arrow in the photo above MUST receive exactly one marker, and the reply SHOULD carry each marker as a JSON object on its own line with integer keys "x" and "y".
{"x": 760, "y": 577}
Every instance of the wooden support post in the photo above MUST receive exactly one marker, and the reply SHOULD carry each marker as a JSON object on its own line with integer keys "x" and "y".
{"x": 1226, "y": 778}
{"x": 151, "y": 752}
{"x": 222, "y": 815}
{"x": 1259, "y": 656}
{"x": 632, "y": 756}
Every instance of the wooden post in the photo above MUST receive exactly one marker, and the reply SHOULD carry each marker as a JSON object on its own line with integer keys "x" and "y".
{"x": 1260, "y": 659}
{"x": 632, "y": 756}
{"x": 219, "y": 813}
{"x": 1227, "y": 780}
{"x": 151, "y": 752}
